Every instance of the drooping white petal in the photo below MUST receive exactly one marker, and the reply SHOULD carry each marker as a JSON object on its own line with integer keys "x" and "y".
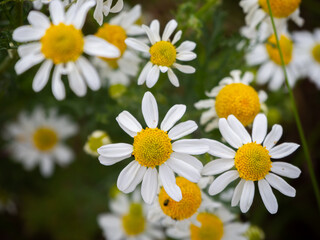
{"x": 191, "y": 160}
{"x": 116, "y": 150}
{"x": 58, "y": 89}
{"x": 273, "y": 137}
{"x": 247, "y": 196}
{"x": 239, "y": 129}
{"x": 153, "y": 76}
{"x": 173, "y": 78}
{"x": 163, "y": 69}
{"x": 228, "y": 134}
{"x": 150, "y": 110}
{"x": 285, "y": 169}
{"x": 174, "y": 114}
{"x": 182, "y": 129}
{"x": 38, "y": 19}
{"x": 42, "y": 76}
{"x": 184, "y": 68}
{"x": 89, "y": 72}
{"x": 27, "y": 62}
{"x": 283, "y": 150}
{"x": 138, "y": 178}
{"x": 117, "y": 7}
{"x": 149, "y": 185}
{"x": 169, "y": 29}
{"x": 168, "y": 181}
{"x": 56, "y": 12}
{"x": 127, "y": 175}
{"x": 190, "y": 146}
{"x": 259, "y": 129}
{"x": 96, "y": 46}
{"x": 98, "y": 15}
{"x": 81, "y": 14}
{"x": 237, "y": 193}
{"x": 184, "y": 169}
{"x": 267, "y": 196}
{"x": 217, "y": 166}
{"x": 137, "y": 45}
{"x": 218, "y": 149}
{"x": 76, "y": 81}
{"x": 280, "y": 184}
{"x": 130, "y": 122}
{"x": 144, "y": 73}
{"x": 221, "y": 182}
{"x": 46, "y": 166}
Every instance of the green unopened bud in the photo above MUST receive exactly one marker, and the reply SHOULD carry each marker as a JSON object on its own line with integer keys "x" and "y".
{"x": 97, "y": 139}
{"x": 117, "y": 90}
{"x": 254, "y": 233}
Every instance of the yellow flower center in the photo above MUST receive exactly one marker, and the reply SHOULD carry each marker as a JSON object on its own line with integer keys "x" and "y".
{"x": 152, "y": 147}
{"x": 316, "y": 52}
{"x": 45, "y": 138}
{"x": 280, "y": 8}
{"x": 240, "y": 100}
{"x": 286, "y": 47}
{"x": 134, "y": 222}
{"x": 191, "y": 200}
{"x": 252, "y": 161}
{"x": 163, "y": 53}
{"x": 115, "y": 35}
{"x": 211, "y": 228}
{"x": 62, "y": 43}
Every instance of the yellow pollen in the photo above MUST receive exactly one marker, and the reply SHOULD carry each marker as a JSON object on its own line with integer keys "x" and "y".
{"x": 62, "y": 43}
{"x": 134, "y": 222}
{"x": 280, "y": 8}
{"x": 191, "y": 200}
{"x": 152, "y": 147}
{"x": 211, "y": 228}
{"x": 316, "y": 52}
{"x": 163, "y": 53}
{"x": 252, "y": 161}
{"x": 45, "y": 138}
{"x": 240, "y": 100}
{"x": 286, "y": 47}
{"x": 115, "y": 35}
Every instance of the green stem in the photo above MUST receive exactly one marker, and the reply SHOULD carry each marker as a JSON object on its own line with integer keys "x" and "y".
{"x": 296, "y": 116}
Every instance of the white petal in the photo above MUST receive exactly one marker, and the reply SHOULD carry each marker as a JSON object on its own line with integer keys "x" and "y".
{"x": 76, "y": 81}
{"x": 267, "y": 196}
{"x": 182, "y": 129}
{"x": 285, "y": 169}
{"x": 239, "y": 129}
{"x": 116, "y": 150}
{"x": 273, "y": 137}
{"x": 186, "y": 46}
{"x": 150, "y": 34}
{"x": 184, "y": 68}
{"x": 89, "y": 72}
{"x": 193, "y": 161}
{"x": 127, "y": 175}
{"x": 247, "y": 196}
{"x": 137, "y": 180}
{"x": 221, "y": 182}
{"x": 168, "y": 181}
{"x": 283, "y": 150}
{"x": 63, "y": 154}
{"x": 237, "y": 193}
{"x": 173, "y": 78}
{"x": 190, "y": 146}
{"x": 124, "y": 128}
{"x": 218, "y": 149}
{"x": 217, "y": 166}
{"x": 150, "y": 110}
{"x": 117, "y": 7}
{"x": 228, "y": 134}
{"x": 56, "y": 12}
{"x": 98, "y": 15}
{"x": 155, "y": 27}
{"x": 149, "y": 185}
{"x": 108, "y": 161}
{"x": 259, "y": 128}
{"x": 46, "y": 166}
{"x": 29, "y": 48}
{"x": 27, "y": 62}
{"x": 203, "y": 104}
{"x": 137, "y": 45}
{"x": 153, "y": 76}
{"x": 130, "y": 122}
{"x": 81, "y": 14}
{"x": 186, "y": 56}
{"x": 280, "y": 184}
{"x": 176, "y": 37}
{"x": 42, "y": 76}
{"x": 169, "y": 29}
{"x": 163, "y": 69}
{"x": 184, "y": 169}
{"x": 96, "y": 46}
{"x": 38, "y": 19}
{"x": 173, "y": 115}
{"x": 58, "y": 89}
{"x": 144, "y": 73}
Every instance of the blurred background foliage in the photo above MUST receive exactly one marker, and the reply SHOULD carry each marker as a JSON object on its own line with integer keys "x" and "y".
{"x": 66, "y": 205}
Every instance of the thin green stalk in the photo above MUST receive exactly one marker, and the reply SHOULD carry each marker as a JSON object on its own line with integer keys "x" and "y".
{"x": 296, "y": 116}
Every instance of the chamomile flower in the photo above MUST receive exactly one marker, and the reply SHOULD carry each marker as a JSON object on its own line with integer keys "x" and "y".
{"x": 308, "y": 49}
{"x": 105, "y": 7}
{"x": 216, "y": 224}
{"x": 60, "y": 44}
{"x": 267, "y": 56}
{"x": 257, "y": 12}
{"x": 120, "y": 70}
{"x": 163, "y": 53}
{"x": 38, "y": 139}
{"x": 233, "y": 96}
{"x": 181, "y": 214}
{"x": 128, "y": 220}
{"x": 252, "y": 162}
{"x": 153, "y": 148}
{"x": 95, "y": 140}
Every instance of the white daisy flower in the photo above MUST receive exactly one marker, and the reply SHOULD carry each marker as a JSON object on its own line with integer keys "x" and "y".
{"x": 180, "y": 215}
{"x": 105, "y": 7}
{"x": 163, "y": 53}
{"x": 95, "y": 140}
{"x": 38, "y": 4}
{"x": 61, "y": 44}
{"x": 267, "y": 56}
{"x": 217, "y": 224}
{"x": 128, "y": 220}
{"x": 120, "y": 70}
{"x": 153, "y": 147}
{"x": 257, "y": 12}
{"x": 38, "y": 139}
{"x": 308, "y": 50}
{"x": 252, "y": 162}
{"x": 232, "y": 96}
